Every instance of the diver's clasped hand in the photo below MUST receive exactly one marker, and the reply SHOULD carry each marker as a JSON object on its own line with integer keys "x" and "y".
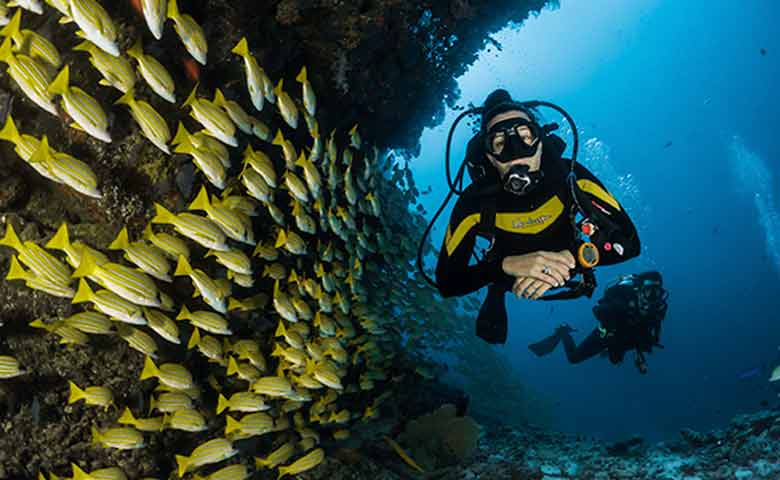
{"x": 537, "y": 272}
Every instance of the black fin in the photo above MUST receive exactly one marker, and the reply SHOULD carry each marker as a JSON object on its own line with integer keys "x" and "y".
{"x": 492, "y": 321}
{"x": 545, "y": 346}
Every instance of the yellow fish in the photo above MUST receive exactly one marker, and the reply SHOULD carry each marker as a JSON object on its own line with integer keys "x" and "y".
{"x": 9, "y": 367}
{"x": 155, "y": 15}
{"x": 170, "y": 245}
{"x": 116, "y": 71}
{"x": 208, "y": 346}
{"x": 311, "y": 174}
{"x": 68, "y": 335}
{"x": 128, "y": 283}
{"x": 255, "y": 76}
{"x": 31, "y": 77}
{"x": 307, "y": 462}
{"x": 138, "y": 339}
{"x": 255, "y": 302}
{"x": 237, "y": 114}
{"x": 200, "y": 229}
{"x": 31, "y": 43}
{"x": 169, "y": 402}
{"x": 309, "y": 99}
{"x": 214, "y": 119}
{"x": 242, "y": 402}
{"x": 153, "y": 424}
{"x": 238, "y": 471}
{"x": 162, "y": 325}
{"x": 100, "y": 396}
{"x": 207, "y": 160}
{"x": 153, "y": 72}
{"x": 85, "y": 111}
{"x": 188, "y": 420}
{"x": 273, "y": 386}
{"x": 263, "y": 165}
{"x": 42, "y": 263}
{"x": 206, "y": 287}
{"x": 288, "y": 149}
{"x": 152, "y": 123}
{"x": 34, "y": 6}
{"x": 255, "y": 185}
{"x": 278, "y": 456}
{"x": 287, "y": 107}
{"x": 291, "y": 241}
{"x": 90, "y": 322}
{"x": 252, "y": 424}
{"x": 95, "y": 24}
{"x": 122, "y": 438}
{"x": 67, "y": 170}
{"x": 170, "y": 374}
{"x": 190, "y": 33}
{"x": 212, "y": 451}
{"x": 147, "y": 257}
{"x": 25, "y": 146}
{"x": 226, "y": 219}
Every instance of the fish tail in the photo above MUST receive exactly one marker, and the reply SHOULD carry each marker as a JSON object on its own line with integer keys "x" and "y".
{"x": 232, "y": 425}
{"x": 127, "y": 417}
{"x": 41, "y": 154}
{"x": 84, "y": 293}
{"x": 232, "y": 367}
{"x": 174, "y": 14}
{"x": 86, "y": 267}
{"x": 219, "y": 98}
{"x": 280, "y": 331}
{"x": 6, "y": 55}
{"x": 60, "y": 240}
{"x": 282, "y": 472}
{"x": 11, "y": 239}
{"x": 78, "y": 473}
{"x": 85, "y": 46}
{"x": 201, "y": 201}
{"x": 136, "y": 51}
{"x": 95, "y": 435}
{"x": 234, "y": 304}
{"x": 127, "y": 98}
{"x": 16, "y": 272}
{"x": 302, "y": 75}
{"x": 183, "y": 313}
{"x": 76, "y": 393}
{"x": 195, "y": 340}
{"x": 222, "y": 404}
{"x": 278, "y": 139}
{"x": 241, "y": 48}
{"x": 183, "y": 267}
{"x": 281, "y": 239}
{"x": 163, "y": 215}
{"x": 182, "y": 461}
{"x": 9, "y": 131}
{"x": 37, "y": 323}
{"x": 59, "y": 85}
{"x": 121, "y": 242}
{"x": 301, "y": 162}
{"x": 12, "y": 28}
{"x": 278, "y": 87}
{"x": 183, "y": 141}
{"x": 150, "y": 369}
{"x": 191, "y": 96}
{"x": 148, "y": 232}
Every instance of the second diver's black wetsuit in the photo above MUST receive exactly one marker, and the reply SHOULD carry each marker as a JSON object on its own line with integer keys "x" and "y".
{"x": 623, "y": 328}
{"x": 538, "y": 221}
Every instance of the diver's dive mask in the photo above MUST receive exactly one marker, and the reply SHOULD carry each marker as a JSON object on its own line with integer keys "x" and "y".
{"x": 651, "y": 296}
{"x": 512, "y": 139}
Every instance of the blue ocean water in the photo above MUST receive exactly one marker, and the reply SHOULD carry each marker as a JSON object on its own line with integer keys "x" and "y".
{"x": 676, "y": 104}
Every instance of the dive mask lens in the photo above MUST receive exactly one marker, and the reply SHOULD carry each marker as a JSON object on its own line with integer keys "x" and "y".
{"x": 511, "y": 139}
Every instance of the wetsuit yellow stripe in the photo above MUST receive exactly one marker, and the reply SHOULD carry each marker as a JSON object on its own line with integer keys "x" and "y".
{"x": 460, "y": 232}
{"x": 594, "y": 189}
{"x": 531, "y": 222}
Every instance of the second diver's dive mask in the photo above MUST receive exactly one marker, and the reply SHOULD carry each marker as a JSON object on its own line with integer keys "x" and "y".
{"x": 651, "y": 296}
{"x": 512, "y": 139}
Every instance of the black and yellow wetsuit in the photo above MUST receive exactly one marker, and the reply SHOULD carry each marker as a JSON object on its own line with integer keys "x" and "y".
{"x": 538, "y": 221}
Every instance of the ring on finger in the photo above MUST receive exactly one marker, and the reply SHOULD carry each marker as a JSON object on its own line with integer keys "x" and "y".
{"x": 546, "y": 270}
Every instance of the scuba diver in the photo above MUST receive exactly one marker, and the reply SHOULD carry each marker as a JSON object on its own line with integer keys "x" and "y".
{"x": 630, "y": 315}
{"x": 524, "y": 204}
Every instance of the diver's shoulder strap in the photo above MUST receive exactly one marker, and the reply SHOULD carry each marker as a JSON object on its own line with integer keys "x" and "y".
{"x": 487, "y": 223}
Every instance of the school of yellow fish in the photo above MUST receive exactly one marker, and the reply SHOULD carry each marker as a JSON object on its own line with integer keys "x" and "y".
{"x": 324, "y": 224}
